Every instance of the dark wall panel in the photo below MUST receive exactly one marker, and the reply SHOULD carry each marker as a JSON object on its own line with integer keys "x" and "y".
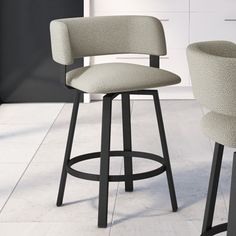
{"x": 27, "y": 72}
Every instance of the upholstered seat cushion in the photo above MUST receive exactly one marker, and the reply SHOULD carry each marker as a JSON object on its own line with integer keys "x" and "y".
{"x": 220, "y": 128}
{"x": 118, "y": 77}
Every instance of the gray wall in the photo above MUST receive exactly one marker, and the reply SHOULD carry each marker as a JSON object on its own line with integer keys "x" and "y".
{"x": 27, "y": 72}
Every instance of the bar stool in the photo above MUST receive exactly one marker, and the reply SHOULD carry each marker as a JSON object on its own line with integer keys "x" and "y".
{"x": 212, "y": 68}
{"x": 80, "y": 37}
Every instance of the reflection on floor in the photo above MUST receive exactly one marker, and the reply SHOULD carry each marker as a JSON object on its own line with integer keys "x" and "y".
{"x": 32, "y": 143}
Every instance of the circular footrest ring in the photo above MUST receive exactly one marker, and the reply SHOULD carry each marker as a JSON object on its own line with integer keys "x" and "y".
{"x": 116, "y": 178}
{"x": 216, "y": 230}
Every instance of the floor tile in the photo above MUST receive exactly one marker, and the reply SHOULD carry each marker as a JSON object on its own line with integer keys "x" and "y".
{"x": 18, "y": 143}
{"x": 9, "y": 175}
{"x": 87, "y": 133}
{"x": 50, "y": 229}
{"x": 152, "y": 196}
{"x": 23, "y": 128}
{"x": 35, "y": 196}
{"x": 29, "y": 113}
{"x": 153, "y": 225}
{"x": 182, "y": 125}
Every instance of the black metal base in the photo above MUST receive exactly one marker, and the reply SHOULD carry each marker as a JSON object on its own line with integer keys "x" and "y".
{"x": 215, "y": 230}
{"x": 230, "y": 227}
{"x": 104, "y": 178}
{"x": 117, "y": 178}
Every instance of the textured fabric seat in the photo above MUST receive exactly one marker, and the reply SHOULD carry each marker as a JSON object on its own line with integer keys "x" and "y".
{"x": 220, "y": 128}
{"x": 213, "y": 72}
{"x": 118, "y": 77}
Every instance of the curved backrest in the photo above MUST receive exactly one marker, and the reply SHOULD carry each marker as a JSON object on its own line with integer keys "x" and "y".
{"x": 90, "y": 36}
{"x": 212, "y": 67}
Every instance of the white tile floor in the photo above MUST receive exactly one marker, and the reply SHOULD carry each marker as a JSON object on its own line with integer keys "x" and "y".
{"x": 32, "y": 143}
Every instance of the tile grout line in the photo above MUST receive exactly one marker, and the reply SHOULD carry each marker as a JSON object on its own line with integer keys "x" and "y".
{"x": 114, "y": 207}
{"x": 26, "y": 168}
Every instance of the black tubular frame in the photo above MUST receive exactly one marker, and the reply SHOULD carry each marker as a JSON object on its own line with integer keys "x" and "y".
{"x": 212, "y": 193}
{"x": 232, "y": 203}
{"x": 127, "y": 142}
{"x": 105, "y": 160}
{"x": 104, "y": 178}
{"x": 68, "y": 149}
{"x": 230, "y": 227}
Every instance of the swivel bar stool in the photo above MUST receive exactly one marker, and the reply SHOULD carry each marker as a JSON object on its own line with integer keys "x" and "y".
{"x": 213, "y": 71}
{"x": 80, "y": 37}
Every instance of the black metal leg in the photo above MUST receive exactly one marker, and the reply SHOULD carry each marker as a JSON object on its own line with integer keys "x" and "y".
{"x": 105, "y": 161}
{"x": 127, "y": 142}
{"x": 68, "y": 149}
{"x": 213, "y": 188}
{"x": 232, "y": 204}
{"x": 165, "y": 151}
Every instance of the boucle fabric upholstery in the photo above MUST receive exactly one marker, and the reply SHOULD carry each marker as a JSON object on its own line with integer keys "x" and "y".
{"x": 221, "y": 128}
{"x": 90, "y": 36}
{"x": 118, "y": 77}
{"x": 212, "y": 68}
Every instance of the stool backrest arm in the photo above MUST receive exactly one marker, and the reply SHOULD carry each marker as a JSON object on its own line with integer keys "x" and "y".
{"x": 212, "y": 68}
{"x": 91, "y": 36}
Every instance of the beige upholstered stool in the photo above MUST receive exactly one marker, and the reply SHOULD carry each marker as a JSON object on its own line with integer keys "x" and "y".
{"x": 213, "y": 71}
{"x": 81, "y": 37}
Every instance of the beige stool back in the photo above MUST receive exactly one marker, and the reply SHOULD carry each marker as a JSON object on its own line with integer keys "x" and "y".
{"x": 212, "y": 68}
{"x": 80, "y": 37}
